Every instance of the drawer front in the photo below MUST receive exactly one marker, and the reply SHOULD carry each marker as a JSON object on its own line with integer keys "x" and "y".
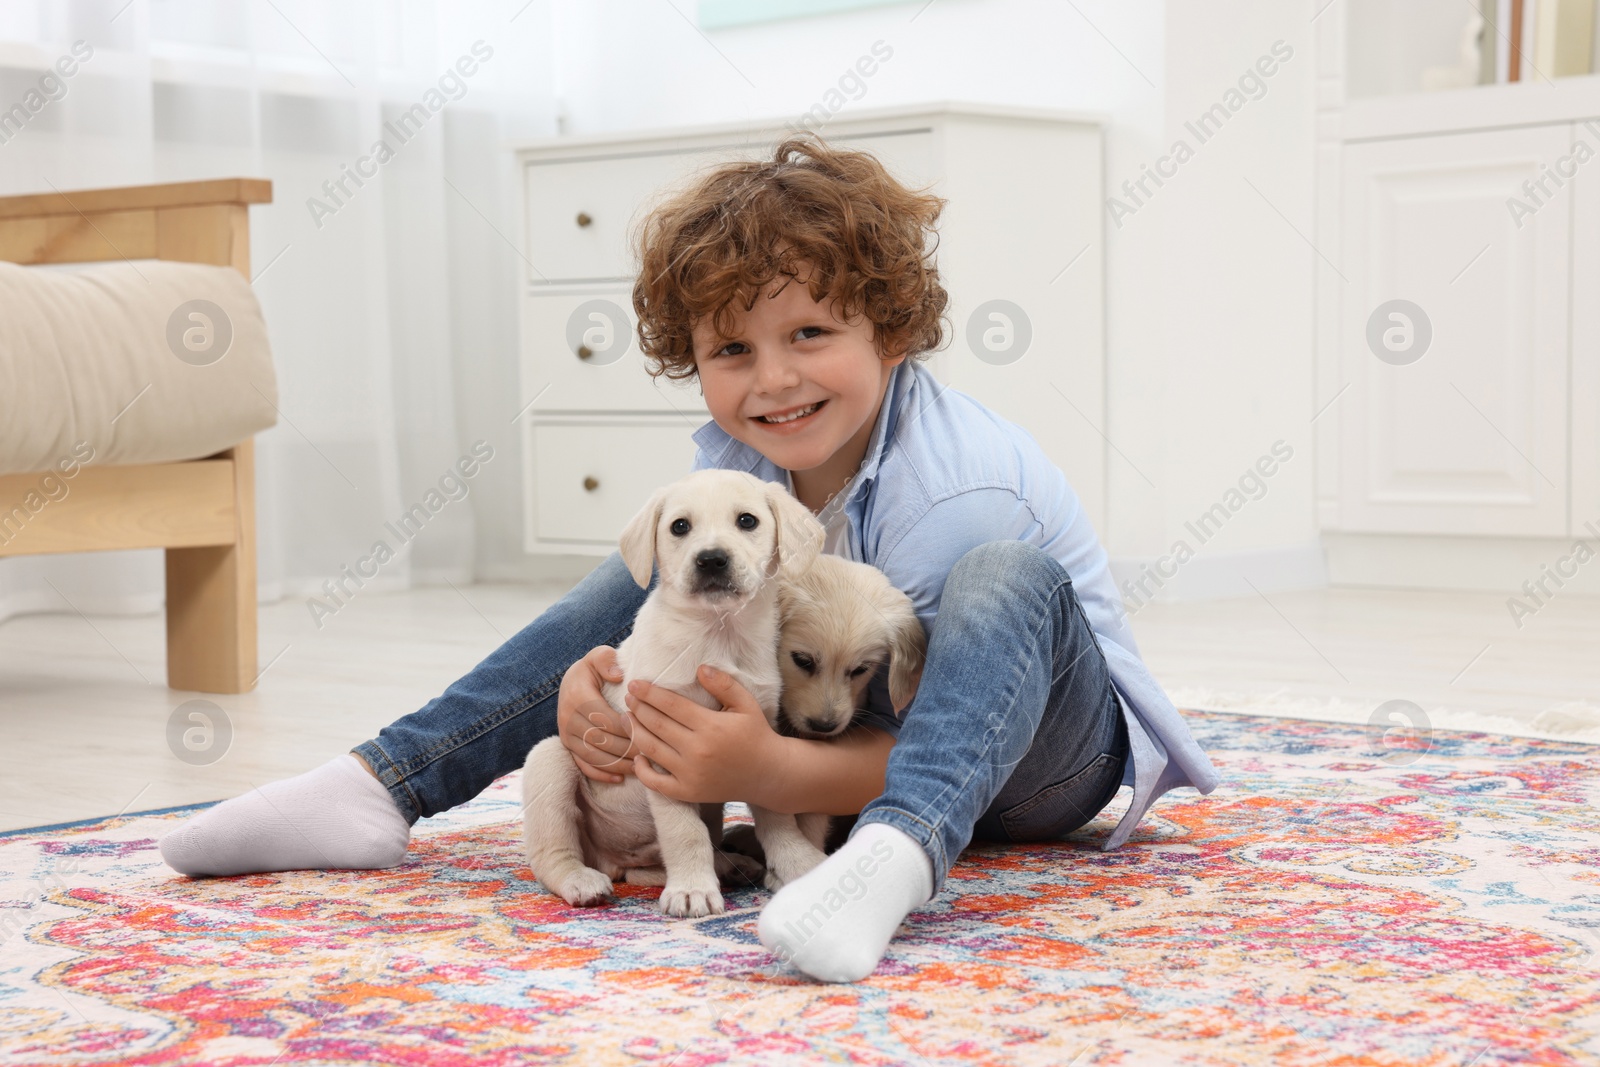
{"x": 580, "y": 212}
{"x": 590, "y": 476}
{"x": 580, "y": 352}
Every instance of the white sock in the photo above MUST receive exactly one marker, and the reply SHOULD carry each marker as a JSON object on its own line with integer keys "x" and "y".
{"x": 835, "y": 922}
{"x": 336, "y": 816}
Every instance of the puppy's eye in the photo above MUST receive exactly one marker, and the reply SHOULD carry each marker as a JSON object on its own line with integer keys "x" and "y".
{"x": 679, "y": 527}
{"x": 748, "y": 521}
{"x": 803, "y": 661}
{"x": 859, "y": 671}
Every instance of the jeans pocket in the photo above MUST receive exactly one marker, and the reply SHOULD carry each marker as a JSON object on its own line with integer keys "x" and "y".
{"x": 1062, "y": 808}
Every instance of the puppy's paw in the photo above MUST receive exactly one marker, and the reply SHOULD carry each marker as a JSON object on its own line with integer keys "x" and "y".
{"x": 584, "y": 888}
{"x": 772, "y": 881}
{"x": 691, "y": 902}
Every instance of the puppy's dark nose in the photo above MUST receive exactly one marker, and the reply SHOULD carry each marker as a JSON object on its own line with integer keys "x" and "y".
{"x": 712, "y": 560}
{"x": 820, "y": 726}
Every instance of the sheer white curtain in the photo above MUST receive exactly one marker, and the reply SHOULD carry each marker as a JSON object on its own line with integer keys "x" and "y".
{"x": 391, "y": 304}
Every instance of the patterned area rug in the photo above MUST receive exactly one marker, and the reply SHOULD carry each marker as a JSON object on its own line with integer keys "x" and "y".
{"x": 1336, "y": 900}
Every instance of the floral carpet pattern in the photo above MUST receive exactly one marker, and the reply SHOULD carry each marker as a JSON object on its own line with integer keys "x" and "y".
{"x": 1337, "y": 900}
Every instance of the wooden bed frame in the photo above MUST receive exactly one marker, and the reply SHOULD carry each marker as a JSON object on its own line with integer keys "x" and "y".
{"x": 202, "y": 511}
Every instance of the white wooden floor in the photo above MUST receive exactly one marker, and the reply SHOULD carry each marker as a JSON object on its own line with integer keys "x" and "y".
{"x": 84, "y": 710}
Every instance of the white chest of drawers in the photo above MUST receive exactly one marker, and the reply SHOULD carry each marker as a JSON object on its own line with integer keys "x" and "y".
{"x": 1024, "y": 191}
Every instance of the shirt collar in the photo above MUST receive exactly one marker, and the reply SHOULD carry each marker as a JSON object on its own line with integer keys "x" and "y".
{"x": 724, "y": 450}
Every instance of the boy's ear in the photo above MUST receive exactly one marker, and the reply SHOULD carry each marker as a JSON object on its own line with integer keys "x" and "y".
{"x": 797, "y": 536}
{"x": 638, "y": 541}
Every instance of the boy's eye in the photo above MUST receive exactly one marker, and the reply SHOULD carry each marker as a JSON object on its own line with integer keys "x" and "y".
{"x": 723, "y": 351}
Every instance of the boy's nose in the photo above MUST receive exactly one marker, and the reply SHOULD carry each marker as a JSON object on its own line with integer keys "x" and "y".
{"x": 776, "y": 375}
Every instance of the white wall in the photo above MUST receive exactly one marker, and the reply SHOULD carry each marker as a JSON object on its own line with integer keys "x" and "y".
{"x": 1211, "y": 314}
{"x": 1209, "y": 317}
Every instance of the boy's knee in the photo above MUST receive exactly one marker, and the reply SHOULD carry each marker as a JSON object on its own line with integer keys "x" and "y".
{"x": 999, "y": 561}
{"x": 1001, "y": 571}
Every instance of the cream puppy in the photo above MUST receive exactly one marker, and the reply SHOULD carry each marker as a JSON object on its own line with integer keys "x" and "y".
{"x": 721, "y": 541}
{"x": 841, "y": 621}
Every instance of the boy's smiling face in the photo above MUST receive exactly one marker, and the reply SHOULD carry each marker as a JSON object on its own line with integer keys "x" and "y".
{"x": 785, "y": 354}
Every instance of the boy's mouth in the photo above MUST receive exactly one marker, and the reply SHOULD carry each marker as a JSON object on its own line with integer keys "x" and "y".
{"x": 793, "y": 418}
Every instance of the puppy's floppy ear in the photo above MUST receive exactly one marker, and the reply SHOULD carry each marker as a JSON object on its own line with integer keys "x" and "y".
{"x": 798, "y": 536}
{"x": 638, "y": 541}
{"x": 908, "y": 647}
{"x": 795, "y": 599}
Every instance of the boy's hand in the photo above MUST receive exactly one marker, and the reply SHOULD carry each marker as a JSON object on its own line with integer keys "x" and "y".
{"x": 591, "y": 730}
{"x": 709, "y": 757}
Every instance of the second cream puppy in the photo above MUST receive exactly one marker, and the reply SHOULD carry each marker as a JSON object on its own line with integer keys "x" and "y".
{"x": 841, "y": 622}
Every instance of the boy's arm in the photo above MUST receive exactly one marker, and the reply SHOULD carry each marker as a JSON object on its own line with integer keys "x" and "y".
{"x": 835, "y": 777}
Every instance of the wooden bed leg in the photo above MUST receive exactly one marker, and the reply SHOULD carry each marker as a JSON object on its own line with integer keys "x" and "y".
{"x": 211, "y": 599}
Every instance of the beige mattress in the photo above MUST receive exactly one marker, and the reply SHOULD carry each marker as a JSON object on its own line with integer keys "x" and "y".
{"x": 144, "y": 361}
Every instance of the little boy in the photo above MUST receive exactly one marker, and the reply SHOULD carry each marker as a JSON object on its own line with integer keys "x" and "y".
{"x": 799, "y": 293}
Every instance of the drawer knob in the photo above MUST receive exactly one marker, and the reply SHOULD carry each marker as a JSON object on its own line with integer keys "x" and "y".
{"x": 584, "y": 219}
{"x": 584, "y": 351}
{"x": 591, "y": 483}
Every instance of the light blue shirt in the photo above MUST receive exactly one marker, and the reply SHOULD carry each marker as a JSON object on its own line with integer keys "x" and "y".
{"x": 944, "y": 474}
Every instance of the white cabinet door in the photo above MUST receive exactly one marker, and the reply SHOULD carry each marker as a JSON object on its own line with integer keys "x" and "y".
{"x": 1455, "y": 420}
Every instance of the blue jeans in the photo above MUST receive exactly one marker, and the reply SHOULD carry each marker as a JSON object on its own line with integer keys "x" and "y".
{"x": 1043, "y": 680}
{"x": 1016, "y": 733}
{"x": 484, "y": 725}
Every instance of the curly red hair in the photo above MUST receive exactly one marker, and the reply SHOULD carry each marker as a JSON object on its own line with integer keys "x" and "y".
{"x": 836, "y": 215}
